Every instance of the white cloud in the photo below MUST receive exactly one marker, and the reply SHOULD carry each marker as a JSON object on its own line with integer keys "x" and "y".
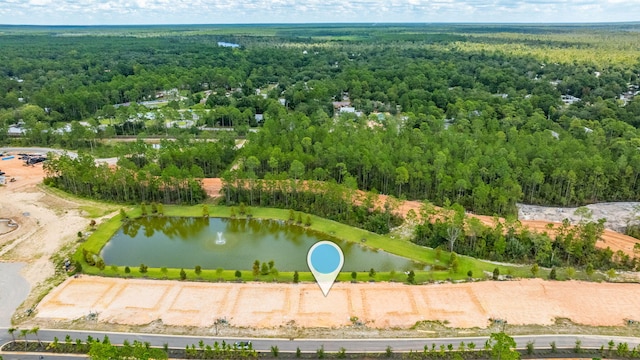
{"x": 88, "y": 12}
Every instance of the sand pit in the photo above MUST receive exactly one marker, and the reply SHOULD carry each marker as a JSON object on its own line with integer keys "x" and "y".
{"x": 379, "y": 305}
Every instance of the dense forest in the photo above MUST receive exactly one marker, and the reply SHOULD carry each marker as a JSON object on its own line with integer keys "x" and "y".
{"x": 481, "y": 116}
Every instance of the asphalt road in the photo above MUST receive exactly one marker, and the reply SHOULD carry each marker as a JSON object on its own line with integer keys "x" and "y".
{"x": 330, "y": 345}
{"x": 13, "y": 290}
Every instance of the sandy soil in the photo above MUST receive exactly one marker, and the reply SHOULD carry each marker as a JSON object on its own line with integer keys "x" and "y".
{"x": 45, "y": 222}
{"x": 379, "y": 305}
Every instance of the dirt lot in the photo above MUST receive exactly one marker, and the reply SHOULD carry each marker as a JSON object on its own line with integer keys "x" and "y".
{"x": 379, "y": 305}
{"x": 46, "y": 222}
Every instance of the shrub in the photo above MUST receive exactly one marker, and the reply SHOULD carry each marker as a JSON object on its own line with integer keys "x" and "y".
{"x": 183, "y": 274}
{"x": 264, "y": 269}
{"x": 123, "y": 215}
{"x": 388, "y": 351}
{"x": 530, "y": 347}
{"x": 411, "y": 277}
{"x": 535, "y": 269}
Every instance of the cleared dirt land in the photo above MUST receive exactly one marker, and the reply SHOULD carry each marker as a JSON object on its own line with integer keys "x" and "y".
{"x": 379, "y": 305}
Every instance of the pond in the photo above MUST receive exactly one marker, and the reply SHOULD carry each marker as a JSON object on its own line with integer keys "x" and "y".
{"x": 233, "y": 244}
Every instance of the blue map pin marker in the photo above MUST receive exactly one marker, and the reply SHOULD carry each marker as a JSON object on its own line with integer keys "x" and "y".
{"x": 325, "y": 260}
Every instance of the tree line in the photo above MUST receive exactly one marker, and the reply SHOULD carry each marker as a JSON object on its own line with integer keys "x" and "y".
{"x": 171, "y": 174}
{"x": 564, "y": 245}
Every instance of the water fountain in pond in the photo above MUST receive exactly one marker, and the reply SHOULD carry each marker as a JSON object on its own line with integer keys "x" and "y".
{"x": 220, "y": 240}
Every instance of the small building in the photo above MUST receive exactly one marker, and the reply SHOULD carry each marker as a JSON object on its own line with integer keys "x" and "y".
{"x": 226, "y": 44}
{"x": 16, "y": 129}
{"x": 569, "y": 99}
{"x": 340, "y": 104}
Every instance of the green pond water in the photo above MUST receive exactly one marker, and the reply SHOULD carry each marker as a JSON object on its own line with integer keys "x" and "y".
{"x": 233, "y": 244}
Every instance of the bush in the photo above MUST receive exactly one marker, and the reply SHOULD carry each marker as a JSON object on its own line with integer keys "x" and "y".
{"x": 530, "y": 347}
{"x": 296, "y": 277}
{"x": 496, "y": 274}
{"x": 388, "y": 351}
{"x": 143, "y": 268}
{"x": 127, "y": 270}
{"x": 535, "y": 269}
{"x": 552, "y": 274}
{"x": 183, "y": 274}
{"x": 264, "y": 269}
{"x": 411, "y": 277}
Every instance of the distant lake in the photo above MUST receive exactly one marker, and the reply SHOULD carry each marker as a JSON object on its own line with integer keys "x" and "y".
{"x": 226, "y": 44}
{"x": 233, "y": 244}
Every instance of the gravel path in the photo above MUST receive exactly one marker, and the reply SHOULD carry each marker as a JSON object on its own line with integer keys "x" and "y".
{"x": 13, "y": 290}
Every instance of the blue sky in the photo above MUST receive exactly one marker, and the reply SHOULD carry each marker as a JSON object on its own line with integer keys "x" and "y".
{"x": 119, "y": 12}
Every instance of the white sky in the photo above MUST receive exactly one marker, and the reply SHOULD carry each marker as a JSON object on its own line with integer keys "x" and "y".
{"x": 121, "y": 12}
